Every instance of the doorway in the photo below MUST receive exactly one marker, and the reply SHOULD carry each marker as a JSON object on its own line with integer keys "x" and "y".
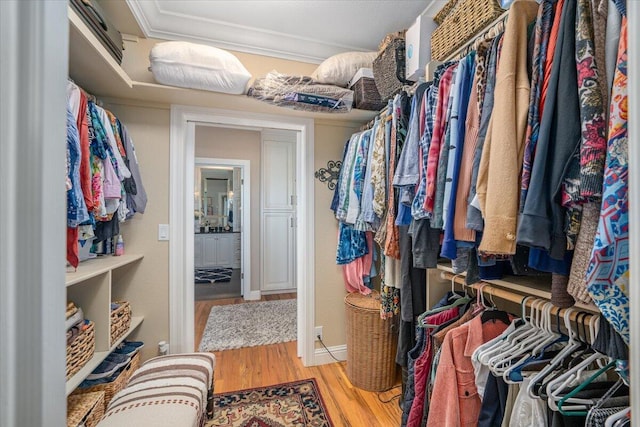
{"x": 222, "y": 258}
{"x": 182, "y": 157}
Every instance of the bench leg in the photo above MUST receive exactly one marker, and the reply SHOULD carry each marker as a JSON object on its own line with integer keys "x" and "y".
{"x": 210, "y": 401}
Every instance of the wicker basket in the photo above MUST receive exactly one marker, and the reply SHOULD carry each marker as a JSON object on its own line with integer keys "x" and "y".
{"x": 466, "y": 19}
{"x": 85, "y": 409}
{"x": 81, "y": 350}
{"x": 120, "y": 320}
{"x": 389, "y": 69}
{"x": 366, "y": 96}
{"x": 111, "y": 388}
{"x": 371, "y": 343}
{"x": 445, "y": 11}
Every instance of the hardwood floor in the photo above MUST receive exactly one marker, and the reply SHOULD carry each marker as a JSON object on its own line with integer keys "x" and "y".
{"x": 261, "y": 366}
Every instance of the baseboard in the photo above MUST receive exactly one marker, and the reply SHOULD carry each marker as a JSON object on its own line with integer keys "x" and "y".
{"x": 322, "y": 356}
{"x": 253, "y": 296}
{"x": 279, "y": 291}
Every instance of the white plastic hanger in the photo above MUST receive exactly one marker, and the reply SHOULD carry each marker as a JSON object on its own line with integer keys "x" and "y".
{"x": 509, "y": 332}
{"x": 512, "y": 339}
{"x": 613, "y": 419}
{"x": 499, "y": 363}
{"x": 541, "y": 348}
{"x": 571, "y": 346}
{"x": 557, "y": 385}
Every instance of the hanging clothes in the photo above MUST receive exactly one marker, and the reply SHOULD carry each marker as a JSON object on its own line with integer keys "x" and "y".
{"x": 498, "y": 184}
{"x": 610, "y": 256}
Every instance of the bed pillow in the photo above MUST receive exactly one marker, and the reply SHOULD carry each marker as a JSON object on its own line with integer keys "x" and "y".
{"x": 197, "y": 66}
{"x": 339, "y": 69}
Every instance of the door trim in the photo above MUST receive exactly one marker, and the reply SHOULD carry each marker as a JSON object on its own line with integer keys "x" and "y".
{"x": 182, "y": 158}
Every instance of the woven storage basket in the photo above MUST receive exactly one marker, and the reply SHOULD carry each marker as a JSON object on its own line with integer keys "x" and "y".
{"x": 366, "y": 96}
{"x": 120, "y": 320}
{"x": 85, "y": 409}
{"x": 111, "y": 388}
{"x": 466, "y": 19}
{"x": 81, "y": 350}
{"x": 389, "y": 68}
{"x": 445, "y": 11}
{"x": 371, "y": 343}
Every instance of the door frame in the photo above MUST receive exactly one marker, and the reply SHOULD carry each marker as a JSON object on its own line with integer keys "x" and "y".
{"x": 181, "y": 169}
{"x": 245, "y": 219}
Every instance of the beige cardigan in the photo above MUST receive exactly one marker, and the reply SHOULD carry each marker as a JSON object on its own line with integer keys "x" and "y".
{"x": 498, "y": 185}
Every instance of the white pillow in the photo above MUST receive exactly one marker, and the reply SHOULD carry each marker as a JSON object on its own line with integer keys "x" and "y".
{"x": 197, "y": 66}
{"x": 339, "y": 69}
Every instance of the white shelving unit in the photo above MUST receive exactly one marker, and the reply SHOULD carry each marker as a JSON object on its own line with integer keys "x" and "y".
{"x": 93, "y": 286}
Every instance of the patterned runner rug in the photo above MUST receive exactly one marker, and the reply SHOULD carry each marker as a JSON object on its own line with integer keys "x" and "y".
{"x": 296, "y": 403}
{"x": 212, "y": 275}
{"x": 250, "y": 324}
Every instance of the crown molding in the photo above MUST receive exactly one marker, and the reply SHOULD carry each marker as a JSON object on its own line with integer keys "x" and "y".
{"x": 169, "y": 25}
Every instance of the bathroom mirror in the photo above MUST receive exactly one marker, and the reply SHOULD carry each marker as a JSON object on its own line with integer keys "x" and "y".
{"x": 215, "y": 199}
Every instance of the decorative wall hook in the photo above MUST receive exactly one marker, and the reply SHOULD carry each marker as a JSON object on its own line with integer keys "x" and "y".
{"x": 330, "y": 173}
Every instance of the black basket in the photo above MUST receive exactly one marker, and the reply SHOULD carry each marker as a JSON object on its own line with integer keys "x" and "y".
{"x": 389, "y": 69}
{"x": 366, "y": 96}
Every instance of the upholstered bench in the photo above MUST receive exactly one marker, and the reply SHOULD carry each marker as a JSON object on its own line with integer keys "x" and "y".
{"x": 172, "y": 391}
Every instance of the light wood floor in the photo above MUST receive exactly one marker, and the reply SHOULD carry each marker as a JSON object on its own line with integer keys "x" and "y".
{"x": 261, "y": 366}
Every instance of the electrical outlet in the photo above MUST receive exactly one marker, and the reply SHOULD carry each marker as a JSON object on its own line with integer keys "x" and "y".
{"x": 318, "y": 332}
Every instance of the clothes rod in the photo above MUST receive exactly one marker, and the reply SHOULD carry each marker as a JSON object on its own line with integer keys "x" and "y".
{"x": 496, "y": 291}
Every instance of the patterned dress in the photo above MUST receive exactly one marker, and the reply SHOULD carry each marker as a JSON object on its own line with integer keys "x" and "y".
{"x": 610, "y": 255}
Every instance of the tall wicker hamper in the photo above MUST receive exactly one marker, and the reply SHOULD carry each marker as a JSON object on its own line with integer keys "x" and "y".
{"x": 371, "y": 343}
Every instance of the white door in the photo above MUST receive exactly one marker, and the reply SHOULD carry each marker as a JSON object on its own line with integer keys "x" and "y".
{"x": 278, "y": 268}
{"x": 278, "y": 211}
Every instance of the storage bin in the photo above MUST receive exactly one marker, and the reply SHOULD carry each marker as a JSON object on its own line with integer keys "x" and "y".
{"x": 365, "y": 92}
{"x": 445, "y": 11}
{"x": 371, "y": 343}
{"x": 111, "y": 388}
{"x": 389, "y": 67}
{"x": 81, "y": 350}
{"x": 85, "y": 409}
{"x": 466, "y": 19}
{"x": 120, "y": 320}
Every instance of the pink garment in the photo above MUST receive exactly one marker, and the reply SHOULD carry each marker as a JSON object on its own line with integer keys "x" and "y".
{"x": 455, "y": 378}
{"x": 423, "y": 365}
{"x": 111, "y": 184}
{"x": 355, "y": 271}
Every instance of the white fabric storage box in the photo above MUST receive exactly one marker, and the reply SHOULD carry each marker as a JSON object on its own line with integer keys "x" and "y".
{"x": 418, "y": 47}
{"x": 197, "y": 66}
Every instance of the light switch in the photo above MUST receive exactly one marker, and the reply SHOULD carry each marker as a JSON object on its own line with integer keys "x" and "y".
{"x": 163, "y": 231}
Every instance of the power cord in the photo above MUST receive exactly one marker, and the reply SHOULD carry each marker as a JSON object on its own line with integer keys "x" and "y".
{"x": 395, "y": 396}
{"x": 378, "y": 394}
{"x": 328, "y": 351}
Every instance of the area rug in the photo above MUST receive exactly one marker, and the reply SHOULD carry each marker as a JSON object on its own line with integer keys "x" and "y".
{"x": 250, "y": 324}
{"x": 296, "y": 403}
{"x": 213, "y": 275}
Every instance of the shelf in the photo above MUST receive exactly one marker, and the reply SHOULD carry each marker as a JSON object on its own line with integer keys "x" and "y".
{"x": 98, "y": 357}
{"x": 93, "y": 68}
{"x": 527, "y": 285}
{"x": 97, "y": 266}
{"x": 90, "y": 64}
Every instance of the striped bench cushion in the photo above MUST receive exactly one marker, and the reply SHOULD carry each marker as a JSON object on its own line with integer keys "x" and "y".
{"x": 171, "y": 391}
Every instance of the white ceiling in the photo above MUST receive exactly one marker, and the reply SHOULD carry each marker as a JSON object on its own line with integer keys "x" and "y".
{"x": 301, "y": 30}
